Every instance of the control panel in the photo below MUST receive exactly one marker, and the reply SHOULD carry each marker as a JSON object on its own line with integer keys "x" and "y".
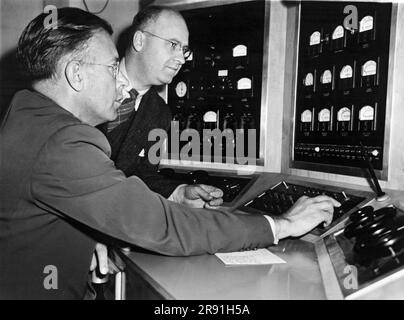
{"x": 369, "y": 250}
{"x": 282, "y": 195}
{"x": 233, "y": 187}
{"x": 341, "y": 87}
{"x": 219, "y": 86}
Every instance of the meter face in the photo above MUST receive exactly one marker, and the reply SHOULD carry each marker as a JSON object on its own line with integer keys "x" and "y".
{"x": 181, "y": 89}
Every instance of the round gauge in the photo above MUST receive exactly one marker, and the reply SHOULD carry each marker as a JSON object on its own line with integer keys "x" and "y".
{"x": 181, "y": 89}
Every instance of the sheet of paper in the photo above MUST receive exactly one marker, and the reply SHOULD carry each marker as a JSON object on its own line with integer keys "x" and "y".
{"x": 253, "y": 257}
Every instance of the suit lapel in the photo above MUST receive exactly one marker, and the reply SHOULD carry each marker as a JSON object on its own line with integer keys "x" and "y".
{"x": 137, "y": 135}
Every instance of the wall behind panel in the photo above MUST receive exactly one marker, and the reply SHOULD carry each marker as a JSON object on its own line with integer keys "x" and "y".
{"x": 14, "y": 16}
{"x": 119, "y": 13}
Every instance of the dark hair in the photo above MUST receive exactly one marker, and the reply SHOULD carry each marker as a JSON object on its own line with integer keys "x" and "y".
{"x": 144, "y": 16}
{"x": 41, "y": 47}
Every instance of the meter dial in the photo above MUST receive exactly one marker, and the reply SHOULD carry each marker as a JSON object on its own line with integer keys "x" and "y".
{"x": 181, "y": 89}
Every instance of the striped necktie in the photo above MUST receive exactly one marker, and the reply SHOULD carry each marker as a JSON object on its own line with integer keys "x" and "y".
{"x": 124, "y": 111}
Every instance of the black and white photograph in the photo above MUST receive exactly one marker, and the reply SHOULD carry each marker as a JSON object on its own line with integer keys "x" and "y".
{"x": 201, "y": 155}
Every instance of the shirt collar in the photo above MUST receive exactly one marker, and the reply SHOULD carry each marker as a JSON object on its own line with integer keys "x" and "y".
{"x": 125, "y": 73}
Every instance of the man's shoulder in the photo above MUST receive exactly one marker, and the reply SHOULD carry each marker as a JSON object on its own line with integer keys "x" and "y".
{"x": 160, "y": 103}
{"x": 77, "y": 137}
{"x": 43, "y": 115}
{"x": 72, "y": 131}
{"x": 40, "y": 108}
{"x": 154, "y": 95}
{"x": 52, "y": 122}
{"x": 155, "y": 105}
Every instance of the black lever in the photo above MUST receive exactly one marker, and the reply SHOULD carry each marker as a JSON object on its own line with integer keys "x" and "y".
{"x": 380, "y": 195}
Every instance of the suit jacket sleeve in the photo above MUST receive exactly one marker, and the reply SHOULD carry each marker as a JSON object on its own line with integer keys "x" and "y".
{"x": 74, "y": 178}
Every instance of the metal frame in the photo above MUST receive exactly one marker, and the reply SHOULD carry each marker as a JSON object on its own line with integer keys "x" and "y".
{"x": 196, "y": 4}
{"x": 344, "y": 170}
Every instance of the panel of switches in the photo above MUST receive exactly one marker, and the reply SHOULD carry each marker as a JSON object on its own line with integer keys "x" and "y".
{"x": 278, "y": 199}
{"x": 232, "y": 187}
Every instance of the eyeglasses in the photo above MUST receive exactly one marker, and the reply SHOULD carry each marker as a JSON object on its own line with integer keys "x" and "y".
{"x": 175, "y": 46}
{"x": 113, "y": 67}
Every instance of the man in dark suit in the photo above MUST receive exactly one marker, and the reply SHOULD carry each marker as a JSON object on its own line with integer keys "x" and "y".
{"x": 60, "y": 193}
{"x": 156, "y": 50}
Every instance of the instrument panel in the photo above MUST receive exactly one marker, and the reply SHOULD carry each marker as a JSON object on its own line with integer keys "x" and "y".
{"x": 340, "y": 110}
{"x": 220, "y": 84}
{"x": 282, "y": 195}
{"x": 233, "y": 186}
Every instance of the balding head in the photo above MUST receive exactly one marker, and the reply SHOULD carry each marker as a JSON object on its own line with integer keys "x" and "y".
{"x": 157, "y": 48}
{"x": 150, "y": 15}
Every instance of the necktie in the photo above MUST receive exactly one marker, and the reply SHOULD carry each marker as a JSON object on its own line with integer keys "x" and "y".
{"x": 125, "y": 110}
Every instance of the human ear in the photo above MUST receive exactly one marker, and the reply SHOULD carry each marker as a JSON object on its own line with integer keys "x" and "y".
{"x": 74, "y": 75}
{"x": 138, "y": 40}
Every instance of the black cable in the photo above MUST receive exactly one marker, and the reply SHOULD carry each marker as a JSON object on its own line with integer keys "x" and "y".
{"x": 369, "y": 166}
{"x": 86, "y": 6}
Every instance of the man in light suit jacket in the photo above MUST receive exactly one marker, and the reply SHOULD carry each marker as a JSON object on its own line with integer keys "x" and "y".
{"x": 60, "y": 193}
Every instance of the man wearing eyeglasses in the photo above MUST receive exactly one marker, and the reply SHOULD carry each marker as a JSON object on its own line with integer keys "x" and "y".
{"x": 156, "y": 50}
{"x": 60, "y": 193}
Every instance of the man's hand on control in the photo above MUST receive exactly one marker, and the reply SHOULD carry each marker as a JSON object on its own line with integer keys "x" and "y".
{"x": 100, "y": 259}
{"x": 200, "y": 196}
{"x": 305, "y": 215}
